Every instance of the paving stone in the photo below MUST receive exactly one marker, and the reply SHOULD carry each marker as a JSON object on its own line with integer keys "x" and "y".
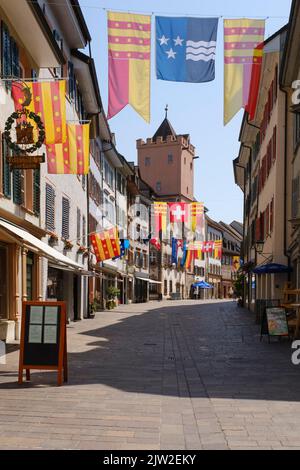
{"x": 162, "y": 375}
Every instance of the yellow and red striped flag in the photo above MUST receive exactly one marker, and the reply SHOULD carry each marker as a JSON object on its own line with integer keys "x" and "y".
{"x": 160, "y": 217}
{"x": 189, "y": 259}
{"x": 129, "y": 44}
{"x": 106, "y": 244}
{"x": 218, "y": 249}
{"x": 241, "y": 38}
{"x": 49, "y": 102}
{"x": 196, "y": 215}
{"x": 72, "y": 157}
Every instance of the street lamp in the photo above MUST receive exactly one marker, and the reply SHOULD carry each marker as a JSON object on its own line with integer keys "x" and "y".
{"x": 259, "y": 246}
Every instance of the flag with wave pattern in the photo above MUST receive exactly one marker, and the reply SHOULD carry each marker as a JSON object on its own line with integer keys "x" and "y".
{"x": 186, "y": 48}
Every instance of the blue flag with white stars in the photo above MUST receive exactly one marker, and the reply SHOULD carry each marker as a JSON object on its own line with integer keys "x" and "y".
{"x": 186, "y": 49}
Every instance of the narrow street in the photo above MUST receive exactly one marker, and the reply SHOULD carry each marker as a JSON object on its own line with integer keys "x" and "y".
{"x": 168, "y": 375}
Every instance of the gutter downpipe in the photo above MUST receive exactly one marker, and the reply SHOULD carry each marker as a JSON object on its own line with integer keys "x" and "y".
{"x": 285, "y": 250}
{"x": 250, "y": 196}
{"x": 244, "y": 284}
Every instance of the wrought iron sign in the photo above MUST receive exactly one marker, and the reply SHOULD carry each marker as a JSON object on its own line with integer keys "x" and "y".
{"x": 29, "y": 136}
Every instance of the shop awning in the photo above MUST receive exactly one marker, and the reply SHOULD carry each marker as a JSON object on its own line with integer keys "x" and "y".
{"x": 37, "y": 245}
{"x": 272, "y": 268}
{"x": 151, "y": 281}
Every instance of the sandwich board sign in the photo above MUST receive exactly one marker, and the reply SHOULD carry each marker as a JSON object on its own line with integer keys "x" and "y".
{"x": 43, "y": 339}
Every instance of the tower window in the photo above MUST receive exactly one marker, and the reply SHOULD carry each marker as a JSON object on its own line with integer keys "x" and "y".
{"x": 191, "y": 166}
{"x": 185, "y": 160}
{"x": 147, "y": 161}
{"x": 170, "y": 158}
{"x": 158, "y": 186}
{"x": 187, "y": 189}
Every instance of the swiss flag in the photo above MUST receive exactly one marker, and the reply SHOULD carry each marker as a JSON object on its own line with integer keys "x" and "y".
{"x": 178, "y": 211}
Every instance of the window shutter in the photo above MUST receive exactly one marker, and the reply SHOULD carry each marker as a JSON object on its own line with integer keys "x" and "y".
{"x": 84, "y": 231}
{"x": 78, "y": 224}
{"x": 267, "y": 221}
{"x": 50, "y": 208}
{"x": 6, "y": 171}
{"x": 36, "y": 191}
{"x": 65, "y": 218}
{"x": 15, "y": 64}
{"x": 6, "y": 52}
{"x": 18, "y": 187}
{"x": 71, "y": 80}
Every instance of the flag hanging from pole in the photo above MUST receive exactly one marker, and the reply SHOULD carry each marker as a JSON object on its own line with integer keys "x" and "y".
{"x": 72, "y": 157}
{"x": 196, "y": 216}
{"x": 218, "y": 249}
{"x": 189, "y": 259}
{"x": 160, "y": 218}
{"x": 186, "y": 48}
{"x": 129, "y": 47}
{"x": 106, "y": 244}
{"x": 241, "y": 38}
{"x": 49, "y": 103}
{"x": 254, "y": 83}
{"x": 178, "y": 212}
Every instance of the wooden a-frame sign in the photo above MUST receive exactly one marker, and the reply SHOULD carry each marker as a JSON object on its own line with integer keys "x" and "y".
{"x": 43, "y": 339}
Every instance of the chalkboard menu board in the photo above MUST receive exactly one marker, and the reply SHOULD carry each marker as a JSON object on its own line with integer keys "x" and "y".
{"x": 43, "y": 338}
{"x": 274, "y": 322}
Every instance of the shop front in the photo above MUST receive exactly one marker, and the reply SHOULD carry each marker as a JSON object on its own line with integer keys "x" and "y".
{"x": 21, "y": 259}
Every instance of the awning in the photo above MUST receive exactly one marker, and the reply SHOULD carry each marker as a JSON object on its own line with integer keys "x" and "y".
{"x": 202, "y": 285}
{"x": 272, "y": 268}
{"x": 151, "y": 281}
{"x": 37, "y": 245}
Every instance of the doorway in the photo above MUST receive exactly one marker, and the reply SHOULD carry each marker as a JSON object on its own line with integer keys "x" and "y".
{"x": 3, "y": 283}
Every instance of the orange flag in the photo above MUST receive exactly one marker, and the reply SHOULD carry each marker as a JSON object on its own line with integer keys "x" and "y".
{"x": 49, "y": 102}
{"x": 72, "y": 157}
{"x": 106, "y": 244}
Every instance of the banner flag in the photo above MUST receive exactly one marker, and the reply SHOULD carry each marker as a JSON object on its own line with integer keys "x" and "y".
{"x": 218, "y": 249}
{"x": 174, "y": 250}
{"x": 106, "y": 244}
{"x": 189, "y": 259}
{"x": 155, "y": 242}
{"x": 73, "y": 156}
{"x": 129, "y": 48}
{"x": 241, "y": 38}
{"x": 49, "y": 102}
{"x": 254, "y": 84}
{"x": 197, "y": 216}
{"x": 178, "y": 211}
{"x": 184, "y": 254}
{"x": 186, "y": 48}
{"x": 160, "y": 218}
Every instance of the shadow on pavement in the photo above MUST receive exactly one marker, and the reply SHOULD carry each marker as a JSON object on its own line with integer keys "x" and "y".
{"x": 189, "y": 350}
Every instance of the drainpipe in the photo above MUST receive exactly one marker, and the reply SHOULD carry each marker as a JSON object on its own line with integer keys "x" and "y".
{"x": 244, "y": 221}
{"x": 285, "y": 250}
{"x": 250, "y": 197}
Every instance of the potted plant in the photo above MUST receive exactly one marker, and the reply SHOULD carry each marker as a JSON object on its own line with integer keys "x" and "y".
{"x": 112, "y": 293}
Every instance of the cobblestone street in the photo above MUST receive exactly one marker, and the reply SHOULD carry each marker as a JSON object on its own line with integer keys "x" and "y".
{"x": 168, "y": 375}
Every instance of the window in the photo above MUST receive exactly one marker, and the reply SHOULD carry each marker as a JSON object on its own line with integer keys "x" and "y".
{"x": 187, "y": 189}
{"x": 121, "y": 184}
{"x": 147, "y": 161}
{"x": 71, "y": 81}
{"x": 109, "y": 174}
{"x": 295, "y": 197}
{"x": 110, "y": 213}
{"x": 50, "y": 208}
{"x": 191, "y": 166}
{"x": 165, "y": 287}
{"x": 153, "y": 257}
{"x": 185, "y": 160}
{"x": 158, "y": 186}
{"x": 78, "y": 224}
{"x": 65, "y": 227}
{"x": 170, "y": 158}
{"x": 170, "y": 287}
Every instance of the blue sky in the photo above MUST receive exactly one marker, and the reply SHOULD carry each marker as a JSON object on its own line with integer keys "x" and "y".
{"x": 196, "y": 109}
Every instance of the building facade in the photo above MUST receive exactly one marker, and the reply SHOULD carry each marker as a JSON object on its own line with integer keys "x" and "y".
{"x": 260, "y": 171}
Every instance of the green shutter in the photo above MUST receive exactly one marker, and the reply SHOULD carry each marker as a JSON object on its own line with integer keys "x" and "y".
{"x": 15, "y": 59}
{"x": 6, "y": 171}
{"x": 17, "y": 187}
{"x": 36, "y": 191}
{"x": 6, "y": 55}
{"x": 50, "y": 208}
{"x": 65, "y": 218}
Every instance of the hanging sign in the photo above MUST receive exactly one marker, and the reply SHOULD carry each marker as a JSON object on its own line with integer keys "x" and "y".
{"x": 43, "y": 339}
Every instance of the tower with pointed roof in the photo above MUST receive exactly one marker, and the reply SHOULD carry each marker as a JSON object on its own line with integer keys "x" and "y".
{"x": 166, "y": 163}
